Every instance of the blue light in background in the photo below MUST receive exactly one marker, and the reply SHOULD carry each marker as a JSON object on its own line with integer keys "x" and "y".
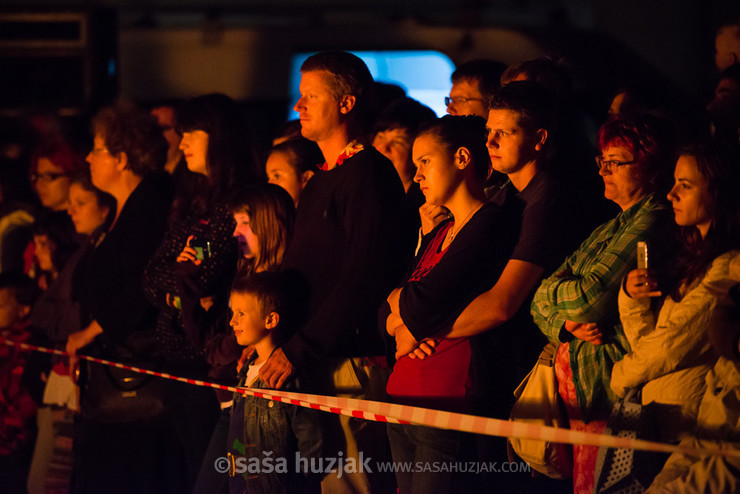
{"x": 425, "y": 75}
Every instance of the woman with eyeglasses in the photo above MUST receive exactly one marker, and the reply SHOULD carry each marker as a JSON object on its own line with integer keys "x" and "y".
{"x": 52, "y": 165}
{"x": 122, "y": 456}
{"x": 576, "y": 307}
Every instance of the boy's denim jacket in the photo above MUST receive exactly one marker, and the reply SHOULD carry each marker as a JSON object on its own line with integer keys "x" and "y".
{"x": 274, "y": 430}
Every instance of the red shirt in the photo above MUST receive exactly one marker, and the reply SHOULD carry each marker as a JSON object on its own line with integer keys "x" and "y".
{"x": 443, "y": 379}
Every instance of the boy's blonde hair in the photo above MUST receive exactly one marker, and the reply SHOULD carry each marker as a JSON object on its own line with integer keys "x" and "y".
{"x": 270, "y": 290}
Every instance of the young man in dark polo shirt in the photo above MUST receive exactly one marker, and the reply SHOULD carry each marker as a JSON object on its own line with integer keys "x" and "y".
{"x": 520, "y": 129}
{"x": 344, "y": 243}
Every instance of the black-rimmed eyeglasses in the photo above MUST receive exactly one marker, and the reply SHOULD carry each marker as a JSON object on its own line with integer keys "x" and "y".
{"x": 611, "y": 164}
{"x": 46, "y": 177}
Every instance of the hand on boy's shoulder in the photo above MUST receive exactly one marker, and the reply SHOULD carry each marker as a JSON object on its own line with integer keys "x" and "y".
{"x": 246, "y": 355}
{"x": 276, "y": 370}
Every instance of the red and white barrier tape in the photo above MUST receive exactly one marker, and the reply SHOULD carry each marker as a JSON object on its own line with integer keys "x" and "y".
{"x": 403, "y": 414}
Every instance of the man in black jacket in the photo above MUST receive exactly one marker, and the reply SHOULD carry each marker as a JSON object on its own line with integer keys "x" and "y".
{"x": 344, "y": 244}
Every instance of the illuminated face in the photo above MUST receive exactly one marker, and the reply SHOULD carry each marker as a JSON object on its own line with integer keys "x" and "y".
{"x": 246, "y": 320}
{"x": 194, "y": 146}
{"x": 318, "y": 109}
{"x": 281, "y": 172}
{"x": 622, "y": 184}
{"x": 689, "y": 196}
{"x": 84, "y": 210}
{"x": 248, "y": 242}
{"x": 44, "y": 249}
{"x": 510, "y": 146}
{"x": 11, "y": 312}
{"x": 436, "y": 171}
{"x": 466, "y": 99}
{"x": 52, "y": 185}
{"x": 395, "y": 144}
{"x": 103, "y": 166}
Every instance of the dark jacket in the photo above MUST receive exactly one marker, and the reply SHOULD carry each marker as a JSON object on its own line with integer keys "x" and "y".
{"x": 107, "y": 281}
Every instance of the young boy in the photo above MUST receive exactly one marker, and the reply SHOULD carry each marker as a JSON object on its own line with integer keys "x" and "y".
{"x": 20, "y": 382}
{"x": 271, "y": 444}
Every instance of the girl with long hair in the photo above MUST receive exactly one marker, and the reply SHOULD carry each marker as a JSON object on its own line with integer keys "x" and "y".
{"x": 264, "y": 215}
{"x": 292, "y": 163}
{"x": 670, "y": 350}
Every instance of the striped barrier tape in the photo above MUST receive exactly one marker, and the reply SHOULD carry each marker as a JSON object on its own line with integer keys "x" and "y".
{"x": 404, "y": 414}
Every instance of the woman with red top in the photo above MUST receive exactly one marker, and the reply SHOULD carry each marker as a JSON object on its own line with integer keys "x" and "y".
{"x": 457, "y": 261}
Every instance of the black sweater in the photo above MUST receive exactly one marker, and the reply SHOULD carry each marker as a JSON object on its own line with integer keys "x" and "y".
{"x": 108, "y": 278}
{"x": 346, "y": 248}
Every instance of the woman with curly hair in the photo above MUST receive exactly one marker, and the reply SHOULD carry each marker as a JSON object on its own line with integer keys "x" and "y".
{"x": 127, "y": 147}
{"x": 115, "y": 316}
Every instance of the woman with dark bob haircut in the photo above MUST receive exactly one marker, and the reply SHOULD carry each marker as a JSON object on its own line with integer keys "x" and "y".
{"x": 576, "y": 308}
{"x": 107, "y": 282}
{"x": 196, "y": 261}
{"x": 229, "y": 156}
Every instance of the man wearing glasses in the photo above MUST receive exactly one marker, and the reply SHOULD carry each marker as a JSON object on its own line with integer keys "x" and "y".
{"x": 473, "y": 83}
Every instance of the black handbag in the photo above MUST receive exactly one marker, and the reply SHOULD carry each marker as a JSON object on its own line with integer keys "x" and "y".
{"x": 623, "y": 470}
{"x": 112, "y": 395}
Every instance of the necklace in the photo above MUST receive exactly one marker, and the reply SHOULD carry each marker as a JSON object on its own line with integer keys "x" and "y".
{"x": 462, "y": 224}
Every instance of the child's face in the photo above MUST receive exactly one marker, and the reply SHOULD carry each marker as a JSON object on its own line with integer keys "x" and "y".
{"x": 246, "y": 320}
{"x": 86, "y": 213}
{"x": 44, "y": 251}
{"x": 280, "y": 172}
{"x": 11, "y": 312}
{"x": 248, "y": 242}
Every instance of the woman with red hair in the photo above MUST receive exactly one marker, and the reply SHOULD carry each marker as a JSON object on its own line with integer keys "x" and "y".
{"x": 577, "y": 306}
{"x": 52, "y": 165}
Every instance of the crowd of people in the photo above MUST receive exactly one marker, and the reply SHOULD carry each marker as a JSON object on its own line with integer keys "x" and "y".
{"x": 373, "y": 251}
